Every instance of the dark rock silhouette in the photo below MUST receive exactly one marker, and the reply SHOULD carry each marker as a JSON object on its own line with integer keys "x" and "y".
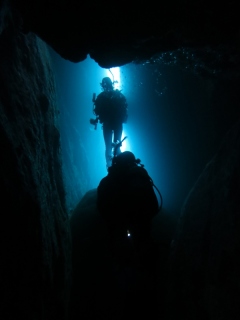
{"x": 35, "y": 242}
{"x": 116, "y": 36}
{"x": 205, "y": 262}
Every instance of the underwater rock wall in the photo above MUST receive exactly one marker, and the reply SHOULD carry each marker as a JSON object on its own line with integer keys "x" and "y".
{"x": 75, "y": 162}
{"x": 34, "y": 229}
{"x": 205, "y": 263}
{"x": 115, "y": 36}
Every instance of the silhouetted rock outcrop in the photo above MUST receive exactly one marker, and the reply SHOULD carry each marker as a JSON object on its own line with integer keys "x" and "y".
{"x": 116, "y": 35}
{"x": 205, "y": 265}
{"x": 34, "y": 230}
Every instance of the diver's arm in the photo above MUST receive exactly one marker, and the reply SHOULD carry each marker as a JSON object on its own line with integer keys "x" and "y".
{"x": 94, "y": 122}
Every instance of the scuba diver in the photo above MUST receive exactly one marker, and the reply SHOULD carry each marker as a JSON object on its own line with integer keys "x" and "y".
{"x": 126, "y": 198}
{"x": 110, "y": 108}
{"x": 127, "y": 202}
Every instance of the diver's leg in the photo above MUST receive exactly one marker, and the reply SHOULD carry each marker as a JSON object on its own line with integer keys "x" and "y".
{"x": 118, "y": 135}
{"x": 107, "y": 134}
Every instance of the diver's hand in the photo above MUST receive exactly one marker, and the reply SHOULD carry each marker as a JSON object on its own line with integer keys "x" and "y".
{"x": 93, "y": 121}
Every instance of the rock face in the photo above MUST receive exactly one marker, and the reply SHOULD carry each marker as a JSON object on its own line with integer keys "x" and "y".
{"x": 34, "y": 231}
{"x": 75, "y": 164}
{"x": 35, "y": 242}
{"x": 205, "y": 259}
{"x": 116, "y": 35}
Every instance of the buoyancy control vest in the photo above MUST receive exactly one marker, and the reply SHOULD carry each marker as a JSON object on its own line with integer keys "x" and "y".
{"x": 111, "y": 106}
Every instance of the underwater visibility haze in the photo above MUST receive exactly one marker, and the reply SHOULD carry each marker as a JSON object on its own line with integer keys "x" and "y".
{"x": 170, "y": 125}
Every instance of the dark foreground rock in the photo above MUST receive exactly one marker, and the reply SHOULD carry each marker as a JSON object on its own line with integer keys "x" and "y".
{"x": 34, "y": 229}
{"x": 205, "y": 265}
{"x": 116, "y": 35}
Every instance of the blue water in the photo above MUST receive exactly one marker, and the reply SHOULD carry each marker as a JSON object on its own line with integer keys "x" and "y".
{"x": 169, "y": 127}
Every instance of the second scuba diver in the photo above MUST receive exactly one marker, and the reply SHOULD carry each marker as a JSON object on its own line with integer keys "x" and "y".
{"x": 110, "y": 108}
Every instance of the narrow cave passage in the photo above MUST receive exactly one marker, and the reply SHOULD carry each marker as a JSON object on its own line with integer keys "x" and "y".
{"x": 174, "y": 130}
{"x": 179, "y": 113}
{"x": 170, "y": 126}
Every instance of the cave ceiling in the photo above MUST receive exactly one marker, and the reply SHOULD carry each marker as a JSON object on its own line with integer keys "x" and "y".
{"x": 117, "y": 33}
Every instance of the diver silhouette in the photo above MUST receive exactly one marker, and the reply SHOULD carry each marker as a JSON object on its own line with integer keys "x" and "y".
{"x": 117, "y": 253}
{"x": 126, "y": 198}
{"x": 110, "y": 108}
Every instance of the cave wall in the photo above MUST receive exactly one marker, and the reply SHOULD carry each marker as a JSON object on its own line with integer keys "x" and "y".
{"x": 205, "y": 264}
{"x": 115, "y": 35}
{"x": 75, "y": 161}
{"x": 35, "y": 242}
{"x": 35, "y": 245}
